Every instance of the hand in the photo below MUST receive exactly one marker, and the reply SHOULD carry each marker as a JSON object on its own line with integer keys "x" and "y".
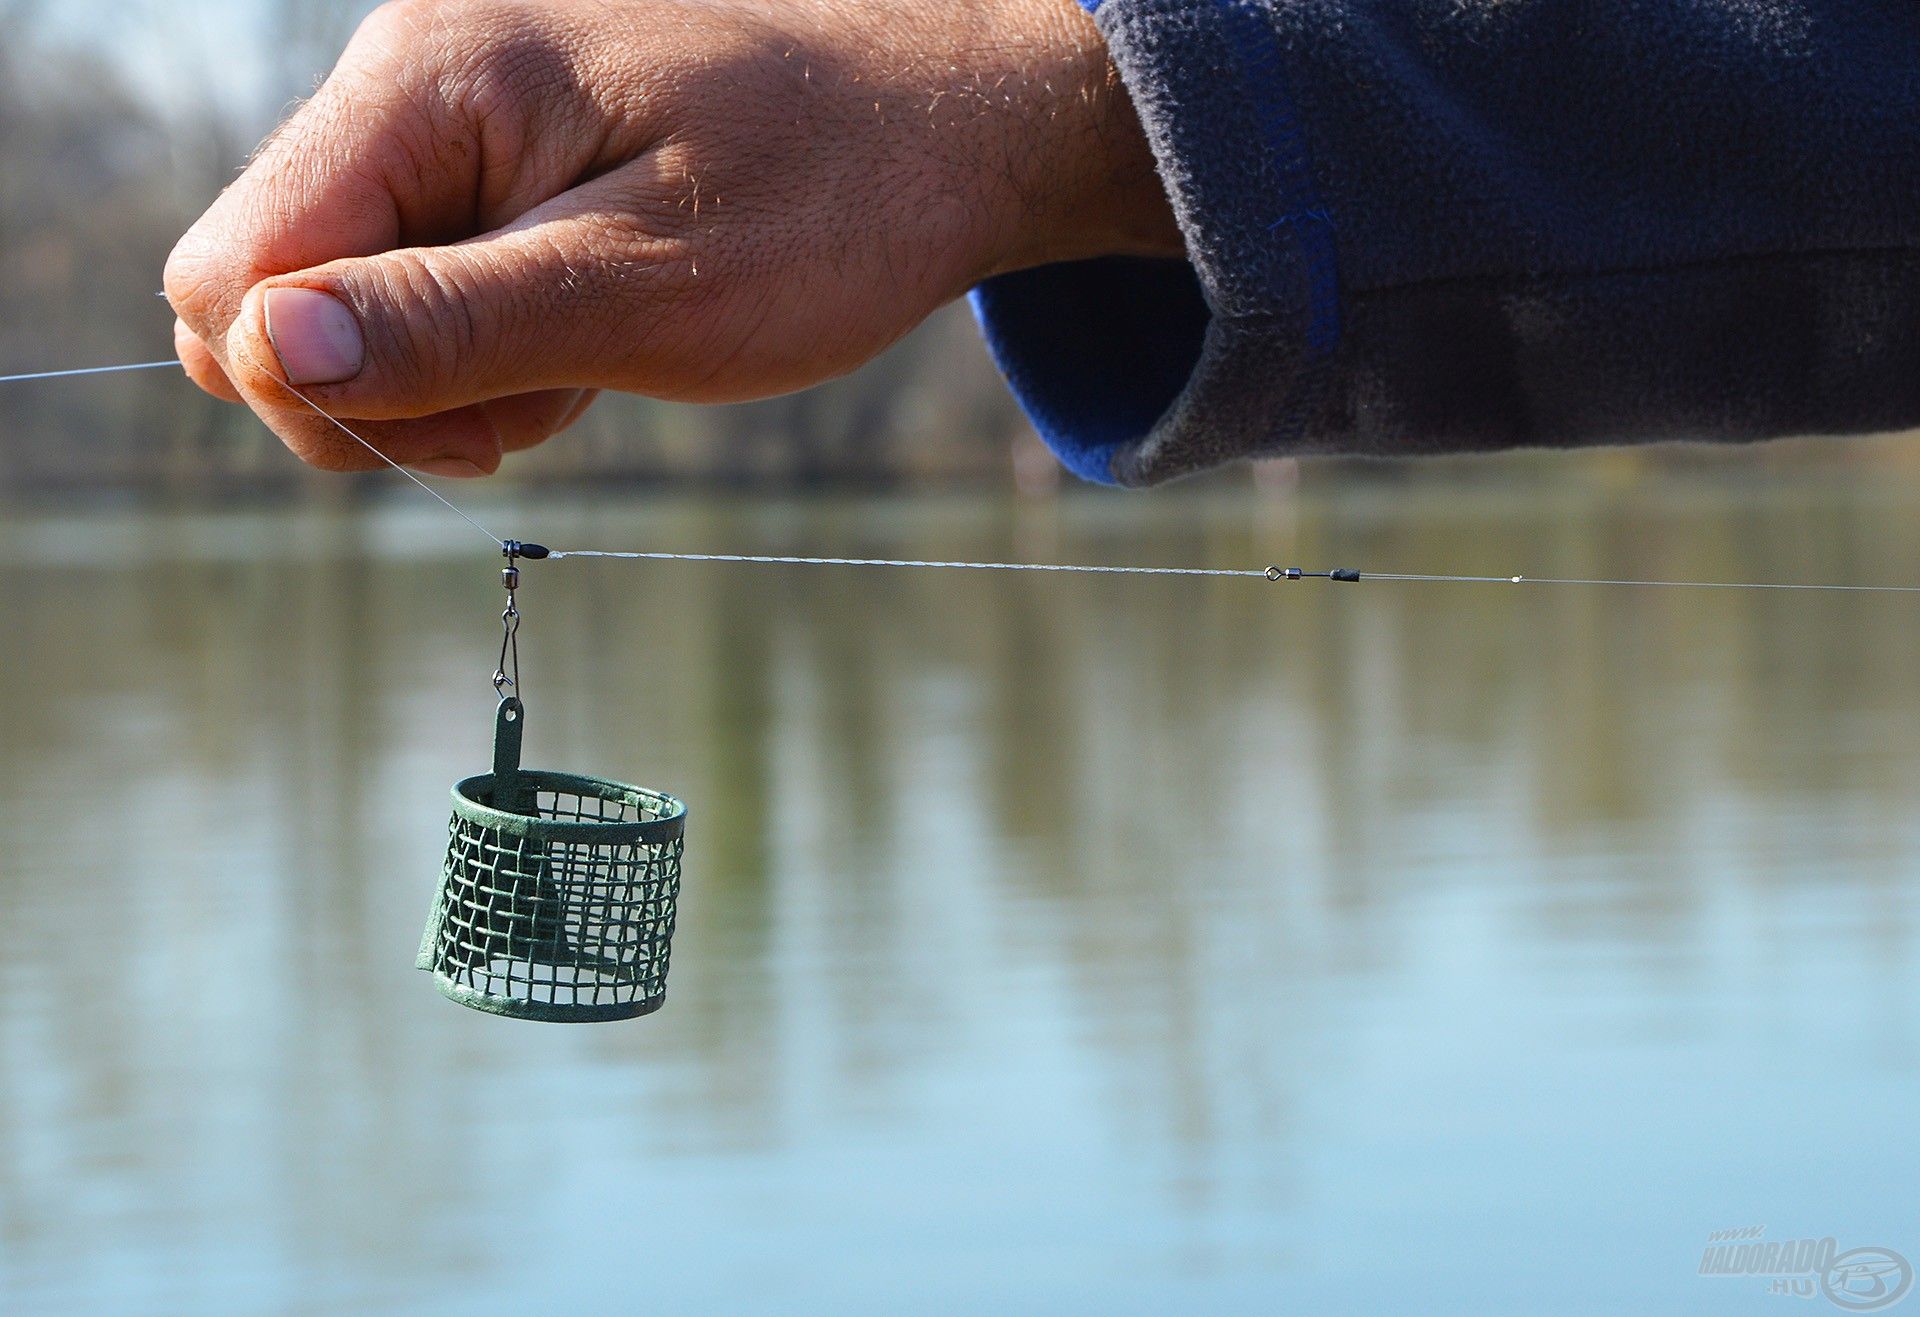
{"x": 492, "y": 209}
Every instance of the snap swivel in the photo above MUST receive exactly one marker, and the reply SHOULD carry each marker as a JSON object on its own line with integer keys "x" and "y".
{"x": 503, "y": 680}
{"x": 1295, "y": 574}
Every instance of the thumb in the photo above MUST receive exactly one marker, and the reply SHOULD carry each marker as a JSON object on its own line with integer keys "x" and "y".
{"x": 421, "y": 331}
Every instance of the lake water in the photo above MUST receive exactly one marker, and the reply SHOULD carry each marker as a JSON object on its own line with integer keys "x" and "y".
{"x": 1048, "y": 943}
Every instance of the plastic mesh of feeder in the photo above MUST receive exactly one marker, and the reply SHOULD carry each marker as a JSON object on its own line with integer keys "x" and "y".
{"x": 557, "y": 898}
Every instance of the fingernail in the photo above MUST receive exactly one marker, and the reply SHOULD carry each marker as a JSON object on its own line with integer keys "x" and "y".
{"x": 453, "y": 468}
{"x": 316, "y": 338}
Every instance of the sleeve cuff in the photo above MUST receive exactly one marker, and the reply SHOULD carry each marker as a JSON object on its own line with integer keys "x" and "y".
{"x": 1138, "y": 371}
{"x": 1094, "y": 351}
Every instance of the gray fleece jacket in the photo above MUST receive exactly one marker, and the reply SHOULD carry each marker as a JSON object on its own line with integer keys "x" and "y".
{"x": 1422, "y": 226}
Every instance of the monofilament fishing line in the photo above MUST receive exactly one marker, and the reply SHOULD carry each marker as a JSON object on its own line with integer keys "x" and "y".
{"x": 558, "y": 894}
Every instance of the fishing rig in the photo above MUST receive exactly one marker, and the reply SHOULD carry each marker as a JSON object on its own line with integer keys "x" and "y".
{"x": 558, "y": 894}
{"x": 557, "y": 897}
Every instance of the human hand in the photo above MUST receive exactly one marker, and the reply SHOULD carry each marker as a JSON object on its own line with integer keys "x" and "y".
{"x": 492, "y": 209}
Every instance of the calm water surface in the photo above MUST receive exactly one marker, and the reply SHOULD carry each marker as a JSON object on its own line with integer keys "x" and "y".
{"x": 1058, "y": 944}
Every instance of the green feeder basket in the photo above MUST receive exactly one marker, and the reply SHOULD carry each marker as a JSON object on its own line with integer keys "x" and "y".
{"x": 557, "y": 900}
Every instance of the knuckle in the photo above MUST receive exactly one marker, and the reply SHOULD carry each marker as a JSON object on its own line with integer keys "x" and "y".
{"x": 193, "y": 278}
{"x": 397, "y": 20}
{"x": 523, "y": 65}
{"x": 331, "y": 455}
{"x": 317, "y": 443}
{"x": 520, "y": 83}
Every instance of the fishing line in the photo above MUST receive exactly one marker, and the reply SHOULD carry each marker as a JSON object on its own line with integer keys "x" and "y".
{"x": 335, "y": 421}
{"x": 783, "y": 560}
{"x": 1659, "y": 585}
{"x": 1267, "y": 573}
{"x": 515, "y": 549}
{"x": 90, "y": 370}
{"x": 446, "y": 502}
{"x": 557, "y": 897}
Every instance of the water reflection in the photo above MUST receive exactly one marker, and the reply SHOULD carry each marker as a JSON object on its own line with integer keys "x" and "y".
{"x": 1038, "y": 932}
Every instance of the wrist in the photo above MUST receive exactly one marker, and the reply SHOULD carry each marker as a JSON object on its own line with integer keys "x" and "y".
{"x": 1064, "y": 170}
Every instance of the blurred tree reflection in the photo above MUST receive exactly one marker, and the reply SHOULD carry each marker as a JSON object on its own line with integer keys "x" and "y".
{"x": 925, "y": 810}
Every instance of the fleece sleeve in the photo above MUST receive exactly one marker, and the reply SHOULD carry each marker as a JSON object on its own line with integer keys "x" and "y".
{"x": 1420, "y": 226}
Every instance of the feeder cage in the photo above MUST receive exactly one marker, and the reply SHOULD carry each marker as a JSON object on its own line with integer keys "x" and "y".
{"x": 557, "y": 899}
